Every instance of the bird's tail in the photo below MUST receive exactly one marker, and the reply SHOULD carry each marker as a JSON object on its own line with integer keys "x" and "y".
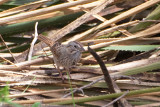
{"x": 46, "y": 40}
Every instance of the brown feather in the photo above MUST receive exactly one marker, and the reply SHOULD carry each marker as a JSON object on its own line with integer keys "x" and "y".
{"x": 46, "y": 40}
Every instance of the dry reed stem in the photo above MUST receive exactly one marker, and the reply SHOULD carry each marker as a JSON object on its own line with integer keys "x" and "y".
{"x": 67, "y": 11}
{"x": 145, "y": 33}
{"x": 22, "y": 8}
{"x": 36, "y": 93}
{"x": 116, "y": 19}
{"x": 42, "y": 11}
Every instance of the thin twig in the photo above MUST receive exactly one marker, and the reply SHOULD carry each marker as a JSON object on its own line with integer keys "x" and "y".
{"x": 116, "y": 99}
{"x": 8, "y": 48}
{"x": 8, "y": 61}
{"x": 33, "y": 42}
{"x": 114, "y": 28}
{"x": 85, "y": 86}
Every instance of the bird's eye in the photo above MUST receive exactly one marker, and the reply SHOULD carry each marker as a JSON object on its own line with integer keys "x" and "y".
{"x": 75, "y": 46}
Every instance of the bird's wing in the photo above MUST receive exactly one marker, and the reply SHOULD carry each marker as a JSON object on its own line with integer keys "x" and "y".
{"x": 56, "y": 49}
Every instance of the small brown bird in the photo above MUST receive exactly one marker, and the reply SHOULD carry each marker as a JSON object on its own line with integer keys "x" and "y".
{"x": 65, "y": 56}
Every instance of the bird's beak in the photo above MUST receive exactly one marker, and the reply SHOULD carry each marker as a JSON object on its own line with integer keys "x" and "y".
{"x": 82, "y": 49}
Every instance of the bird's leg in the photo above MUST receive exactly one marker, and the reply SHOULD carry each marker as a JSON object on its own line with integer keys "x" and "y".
{"x": 60, "y": 73}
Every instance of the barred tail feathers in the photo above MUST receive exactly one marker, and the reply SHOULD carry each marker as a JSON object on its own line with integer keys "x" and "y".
{"x": 46, "y": 40}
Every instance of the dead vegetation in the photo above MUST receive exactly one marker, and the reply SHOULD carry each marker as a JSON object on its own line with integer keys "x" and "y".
{"x": 119, "y": 68}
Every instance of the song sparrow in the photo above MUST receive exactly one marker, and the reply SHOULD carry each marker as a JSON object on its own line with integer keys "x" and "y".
{"x": 64, "y": 55}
